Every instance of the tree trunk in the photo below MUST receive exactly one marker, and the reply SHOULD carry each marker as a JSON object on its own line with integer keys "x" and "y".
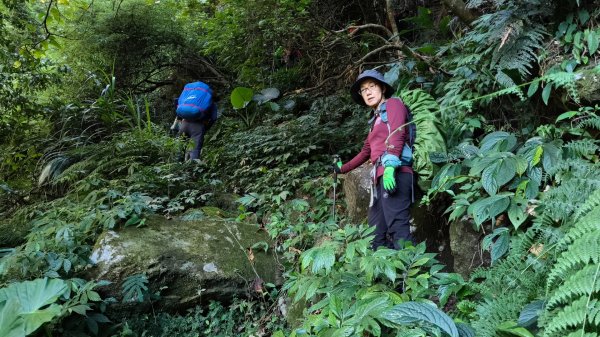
{"x": 392, "y": 19}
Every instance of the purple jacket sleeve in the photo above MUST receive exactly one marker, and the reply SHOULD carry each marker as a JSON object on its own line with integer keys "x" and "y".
{"x": 360, "y": 158}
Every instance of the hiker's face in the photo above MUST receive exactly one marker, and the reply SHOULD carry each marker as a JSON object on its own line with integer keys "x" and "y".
{"x": 371, "y": 92}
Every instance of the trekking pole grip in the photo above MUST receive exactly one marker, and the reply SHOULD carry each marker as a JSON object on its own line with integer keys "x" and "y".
{"x": 336, "y": 159}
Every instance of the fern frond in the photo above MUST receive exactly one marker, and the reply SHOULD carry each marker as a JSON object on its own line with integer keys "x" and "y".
{"x": 76, "y": 171}
{"x": 426, "y": 116}
{"x": 505, "y": 81}
{"x": 581, "y": 148}
{"x": 575, "y": 279}
{"x": 580, "y": 313}
{"x": 538, "y": 233}
{"x": 578, "y": 180}
{"x": 581, "y": 333}
{"x": 591, "y": 203}
{"x": 582, "y": 283}
{"x": 583, "y": 228}
{"x": 591, "y": 121}
{"x": 493, "y": 312}
{"x": 582, "y": 251}
{"x": 563, "y": 79}
{"x": 520, "y": 53}
{"x": 134, "y": 288}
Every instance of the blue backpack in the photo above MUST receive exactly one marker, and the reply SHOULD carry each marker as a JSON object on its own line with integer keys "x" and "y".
{"x": 195, "y": 101}
{"x": 406, "y": 158}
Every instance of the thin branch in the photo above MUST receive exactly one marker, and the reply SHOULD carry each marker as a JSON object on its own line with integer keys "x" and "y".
{"x": 355, "y": 29}
{"x": 45, "y": 22}
{"x": 378, "y": 50}
{"x": 213, "y": 70}
{"x": 321, "y": 84}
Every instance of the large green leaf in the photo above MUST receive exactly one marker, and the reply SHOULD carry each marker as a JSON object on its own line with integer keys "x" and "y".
{"x": 535, "y": 174}
{"x": 406, "y": 313}
{"x": 552, "y": 155}
{"x": 430, "y": 139}
{"x": 506, "y": 170}
{"x": 465, "y": 330}
{"x": 546, "y": 92}
{"x": 592, "y": 41}
{"x": 266, "y": 95}
{"x": 321, "y": 257}
{"x": 530, "y": 313}
{"x": 499, "y": 141}
{"x": 11, "y": 324}
{"x": 371, "y": 307}
{"x": 241, "y": 96}
{"x": 533, "y": 87}
{"x": 488, "y": 179}
{"x": 517, "y": 211}
{"x": 497, "y": 243}
{"x": 32, "y": 296}
{"x": 512, "y": 329}
{"x": 520, "y": 164}
{"x": 33, "y": 320}
{"x": 481, "y": 163}
{"x": 500, "y": 246}
{"x": 499, "y": 204}
{"x": 488, "y": 208}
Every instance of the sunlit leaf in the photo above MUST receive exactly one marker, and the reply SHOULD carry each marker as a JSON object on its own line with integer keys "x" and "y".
{"x": 240, "y": 97}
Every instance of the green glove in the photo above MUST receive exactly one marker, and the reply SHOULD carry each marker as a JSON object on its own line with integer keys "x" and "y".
{"x": 389, "y": 181}
{"x": 337, "y": 167}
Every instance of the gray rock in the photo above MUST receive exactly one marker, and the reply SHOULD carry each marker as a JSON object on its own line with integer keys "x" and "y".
{"x": 357, "y": 189}
{"x": 465, "y": 243}
{"x": 188, "y": 262}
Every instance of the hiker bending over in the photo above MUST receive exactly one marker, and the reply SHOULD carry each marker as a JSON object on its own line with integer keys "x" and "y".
{"x": 196, "y": 113}
{"x": 195, "y": 129}
{"x": 392, "y": 173}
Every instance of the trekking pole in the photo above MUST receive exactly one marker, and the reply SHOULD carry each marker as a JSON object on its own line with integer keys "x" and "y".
{"x": 336, "y": 159}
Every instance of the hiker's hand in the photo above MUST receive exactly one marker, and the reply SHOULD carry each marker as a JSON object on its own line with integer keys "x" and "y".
{"x": 389, "y": 181}
{"x": 175, "y": 127}
{"x": 337, "y": 167}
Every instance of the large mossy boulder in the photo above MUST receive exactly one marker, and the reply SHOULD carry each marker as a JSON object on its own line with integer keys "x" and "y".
{"x": 188, "y": 262}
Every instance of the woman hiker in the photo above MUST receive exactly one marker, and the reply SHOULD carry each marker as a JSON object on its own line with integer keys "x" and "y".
{"x": 392, "y": 178}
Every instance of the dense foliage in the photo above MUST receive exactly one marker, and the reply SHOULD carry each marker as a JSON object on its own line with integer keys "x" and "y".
{"x": 504, "y": 95}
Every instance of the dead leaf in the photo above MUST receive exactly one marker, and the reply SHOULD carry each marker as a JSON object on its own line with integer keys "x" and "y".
{"x": 250, "y": 255}
{"x": 295, "y": 250}
{"x": 505, "y": 37}
{"x": 536, "y": 249}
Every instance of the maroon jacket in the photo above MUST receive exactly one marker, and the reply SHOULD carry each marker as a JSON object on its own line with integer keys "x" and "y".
{"x": 374, "y": 146}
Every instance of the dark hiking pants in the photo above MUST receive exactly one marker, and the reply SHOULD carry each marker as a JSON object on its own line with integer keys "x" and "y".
{"x": 390, "y": 213}
{"x": 195, "y": 130}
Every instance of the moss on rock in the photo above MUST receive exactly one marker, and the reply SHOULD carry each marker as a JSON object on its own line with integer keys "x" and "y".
{"x": 190, "y": 262}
